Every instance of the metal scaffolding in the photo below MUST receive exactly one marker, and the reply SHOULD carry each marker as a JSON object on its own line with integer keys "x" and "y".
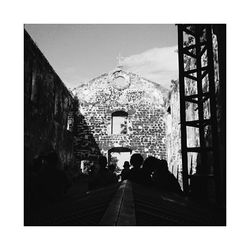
{"x": 195, "y": 42}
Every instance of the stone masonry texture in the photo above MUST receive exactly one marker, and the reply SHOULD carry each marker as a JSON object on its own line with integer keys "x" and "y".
{"x": 143, "y": 101}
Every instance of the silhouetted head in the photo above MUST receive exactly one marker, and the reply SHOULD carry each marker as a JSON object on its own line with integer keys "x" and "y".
{"x": 136, "y": 160}
{"x": 126, "y": 165}
{"x": 103, "y": 161}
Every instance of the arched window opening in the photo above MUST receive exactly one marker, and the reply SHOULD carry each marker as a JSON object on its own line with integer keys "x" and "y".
{"x": 119, "y": 122}
{"x": 169, "y": 110}
{"x": 69, "y": 123}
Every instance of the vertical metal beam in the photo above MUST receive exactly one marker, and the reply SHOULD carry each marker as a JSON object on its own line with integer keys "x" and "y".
{"x": 213, "y": 109}
{"x": 220, "y": 31}
{"x": 198, "y": 30}
{"x": 182, "y": 111}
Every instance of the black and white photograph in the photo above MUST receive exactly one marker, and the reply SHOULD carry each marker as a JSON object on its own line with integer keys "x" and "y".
{"x": 125, "y": 124}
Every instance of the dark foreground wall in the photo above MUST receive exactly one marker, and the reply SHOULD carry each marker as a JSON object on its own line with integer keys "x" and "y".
{"x": 48, "y": 107}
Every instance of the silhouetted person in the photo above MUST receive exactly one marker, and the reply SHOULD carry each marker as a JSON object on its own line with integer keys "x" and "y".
{"x": 104, "y": 177}
{"x": 113, "y": 176}
{"x": 149, "y": 166}
{"x": 125, "y": 171}
{"x": 136, "y": 161}
{"x": 165, "y": 180}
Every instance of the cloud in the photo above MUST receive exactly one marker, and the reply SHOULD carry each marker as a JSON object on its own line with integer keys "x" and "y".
{"x": 158, "y": 64}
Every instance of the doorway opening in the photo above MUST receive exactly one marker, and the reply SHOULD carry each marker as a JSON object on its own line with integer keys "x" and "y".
{"x": 118, "y": 156}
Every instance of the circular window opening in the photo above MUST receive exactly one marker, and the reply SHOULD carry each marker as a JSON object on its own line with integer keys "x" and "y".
{"x": 120, "y": 83}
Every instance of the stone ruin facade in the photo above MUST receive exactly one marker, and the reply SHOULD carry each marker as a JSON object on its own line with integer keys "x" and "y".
{"x": 118, "y": 113}
{"x": 152, "y": 117}
{"x": 123, "y": 113}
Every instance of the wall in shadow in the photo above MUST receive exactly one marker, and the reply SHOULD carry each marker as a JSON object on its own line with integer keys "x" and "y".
{"x": 48, "y": 115}
{"x": 52, "y": 123}
{"x": 47, "y": 105}
{"x": 85, "y": 147}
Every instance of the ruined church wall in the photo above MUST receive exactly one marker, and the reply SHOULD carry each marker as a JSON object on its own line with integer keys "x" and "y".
{"x": 145, "y": 125}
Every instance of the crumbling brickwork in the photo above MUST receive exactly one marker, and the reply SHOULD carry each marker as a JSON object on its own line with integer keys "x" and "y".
{"x": 144, "y": 103}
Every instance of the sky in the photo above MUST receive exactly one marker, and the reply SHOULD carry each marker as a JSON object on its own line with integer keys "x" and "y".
{"x": 81, "y": 52}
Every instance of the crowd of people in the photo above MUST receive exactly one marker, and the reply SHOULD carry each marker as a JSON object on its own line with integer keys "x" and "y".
{"x": 49, "y": 182}
{"x": 104, "y": 176}
{"x": 151, "y": 172}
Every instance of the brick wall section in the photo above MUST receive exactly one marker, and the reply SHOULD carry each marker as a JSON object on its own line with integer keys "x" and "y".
{"x": 143, "y": 100}
{"x": 47, "y": 103}
{"x": 174, "y": 132}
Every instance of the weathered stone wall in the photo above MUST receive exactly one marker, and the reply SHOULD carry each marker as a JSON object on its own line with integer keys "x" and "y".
{"x": 47, "y": 104}
{"x": 144, "y": 101}
{"x": 173, "y": 132}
